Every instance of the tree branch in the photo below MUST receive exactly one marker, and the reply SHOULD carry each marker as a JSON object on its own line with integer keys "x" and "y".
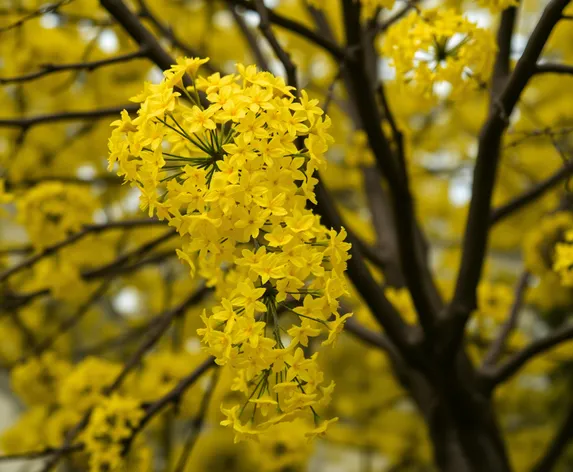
{"x": 87, "y": 229}
{"x": 497, "y": 347}
{"x": 158, "y": 328}
{"x": 548, "y": 68}
{"x": 30, "y": 121}
{"x": 496, "y": 376}
{"x": 47, "y": 69}
{"x": 557, "y": 445}
{"x": 282, "y": 55}
{"x": 172, "y": 396}
{"x": 415, "y": 269}
{"x": 258, "y": 54}
{"x": 530, "y": 195}
{"x": 332, "y": 48}
{"x": 40, "y": 454}
{"x": 501, "y": 107}
{"x": 142, "y": 36}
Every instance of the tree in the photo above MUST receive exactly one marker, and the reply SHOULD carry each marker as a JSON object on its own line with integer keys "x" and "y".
{"x": 369, "y": 202}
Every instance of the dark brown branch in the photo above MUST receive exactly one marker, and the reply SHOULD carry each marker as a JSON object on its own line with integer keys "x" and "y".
{"x": 158, "y": 329}
{"x": 497, "y": 347}
{"x": 530, "y": 195}
{"x": 506, "y": 370}
{"x": 118, "y": 263}
{"x": 88, "y": 229}
{"x": 258, "y": 54}
{"x": 415, "y": 269}
{"x": 145, "y": 12}
{"x": 370, "y": 337}
{"x": 548, "y": 68}
{"x": 30, "y": 121}
{"x": 101, "y": 179}
{"x": 382, "y": 27}
{"x": 557, "y": 445}
{"x": 172, "y": 396}
{"x": 280, "y": 52}
{"x": 197, "y": 424}
{"x": 68, "y": 323}
{"x": 360, "y": 275}
{"x": 89, "y": 66}
{"x": 332, "y": 48}
{"x": 40, "y": 454}
{"x": 49, "y": 8}
{"x": 142, "y": 36}
{"x": 489, "y": 150}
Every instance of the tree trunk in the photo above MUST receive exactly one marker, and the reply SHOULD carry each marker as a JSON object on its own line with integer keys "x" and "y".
{"x": 461, "y": 422}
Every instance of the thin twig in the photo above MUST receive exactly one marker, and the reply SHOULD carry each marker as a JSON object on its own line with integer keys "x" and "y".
{"x": 497, "y": 347}
{"x": 89, "y": 66}
{"x": 50, "y": 118}
{"x": 88, "y": 229}
{"x": 197, "y": 424}
{"x": 496, "y": 376}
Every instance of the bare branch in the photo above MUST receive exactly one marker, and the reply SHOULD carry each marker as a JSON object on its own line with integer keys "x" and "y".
{"x": 49, "y": 8}
{"x": 145, "y": 12}
{"x": 89, "y": 66}
{"x": 415, "y": 268}
{"x": 88, "y": 229}
{"x": 172, "y": 397}
{"x": 497, "y": 347}
{"x": 157, "y": 329}
{"x": 557, "y": 445}
{"x": 155, "y": 335}
{"x": 548, "y": 68}
{"x": 485, "y": 171}
{"x": 282, "y": 55}
{"x": 332, "y": 48}
{"x": 30, "y": 121}
{"x": 197, "y": 424}
{"x": 506, "y": 370}
{"x": 530, "y": 195}
{"x": 32, "y": 455}
{"x": 258, "y": 54}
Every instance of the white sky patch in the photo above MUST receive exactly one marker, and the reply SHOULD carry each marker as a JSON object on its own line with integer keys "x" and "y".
{"x": 252, "y": 18}
{"x": 481, "y": 18}
{"x": 100, "y": 216}
{"x": 155, "y": 75}
{"x": 49, "y": 21}
{"x": 127, "y": 302}
{"x": 223, "y": 19}
{"x": 108, "y": 42}
{"x": 131, "y": 201}
{"x": 460, "y": 190}
{"x": 193, "y": 345}
{"x": 86, "y": 172}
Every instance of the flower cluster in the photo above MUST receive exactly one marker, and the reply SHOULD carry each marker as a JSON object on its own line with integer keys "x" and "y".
{"x": 52, "y": 210}
{"x": 111, "y": 423}
{"x": 438, "y": 46}
{"x": 36, "y": 380}
{"x": 230, "y": 163}
{"x": 563, "y": 259}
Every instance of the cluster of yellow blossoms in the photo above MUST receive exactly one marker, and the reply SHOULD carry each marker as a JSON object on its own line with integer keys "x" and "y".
{"x": 111, "y": 423}
{"x": 233, "y": 173}
{"x": 52, "y": 210}
{"x": 563, "y": 259}
{"x": 437, "y": 47}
